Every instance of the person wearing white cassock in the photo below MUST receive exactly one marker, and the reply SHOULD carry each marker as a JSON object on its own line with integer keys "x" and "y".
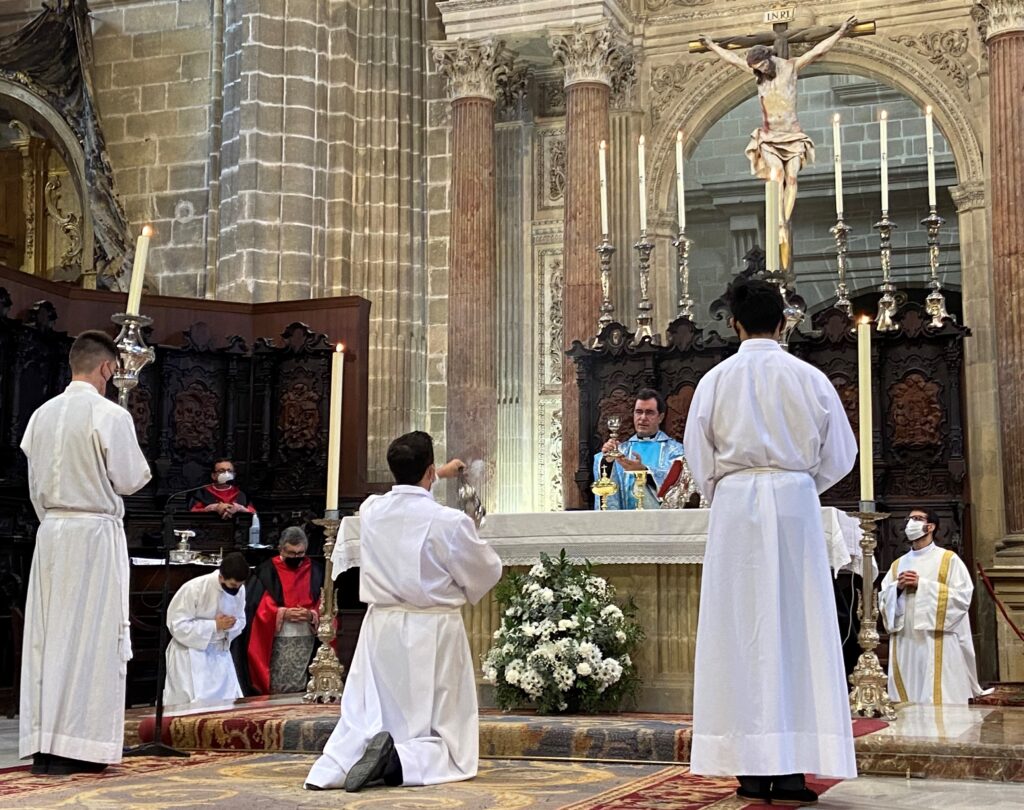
{"x": 83, "y": 455}
{"x": 765, "y": 435}
{"x": 204, "y": 617}
{"x": 409, "y": 709}
{"x": 924, "y": 601}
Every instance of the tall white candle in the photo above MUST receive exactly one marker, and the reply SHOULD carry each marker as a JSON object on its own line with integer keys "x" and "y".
{"x": 138, "y": 271}
{"x": 838, "y": 161}
{"x": 867, "y": 481}
{"x": 771, "y": 222}
{"x": 883, "y": 139}
{"x": 601, "y": 150}
{"x": 334, "y": 426}
{"x": 643, "y": 184}
{"x": 680, "y": 196}
{"x": 929, "y": 130}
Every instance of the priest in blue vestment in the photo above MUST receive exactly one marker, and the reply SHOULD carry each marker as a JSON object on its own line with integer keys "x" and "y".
{"x": 650, "y": 449}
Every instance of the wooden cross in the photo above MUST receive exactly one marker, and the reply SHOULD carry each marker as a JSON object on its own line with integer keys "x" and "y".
{"x": 781, "y": 37}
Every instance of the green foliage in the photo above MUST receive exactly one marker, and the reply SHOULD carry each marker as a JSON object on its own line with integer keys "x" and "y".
{"x": 564, "y": 644}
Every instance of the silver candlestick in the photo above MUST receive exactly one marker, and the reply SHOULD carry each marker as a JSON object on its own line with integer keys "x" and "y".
{"x": 935, "y": 303}
{"x": 682, "y": 245}
{"x": 134, "y": 354}
{"x": 605, "y": 250}
{"x": 643, "y": 315}
{"x": 841, "y": 232}
{"x": 887, "y": 303}
{"x": 792, "y": 312}
{"x": 326, "y": 674}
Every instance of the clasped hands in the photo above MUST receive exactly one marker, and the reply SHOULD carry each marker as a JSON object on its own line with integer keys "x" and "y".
{"x": 628, "y": 463}
{"x": 225, "y": 510}
{"x": 224, "y": 621}
{"x": 298, "y": 614}
{"x": 907, "y": 581}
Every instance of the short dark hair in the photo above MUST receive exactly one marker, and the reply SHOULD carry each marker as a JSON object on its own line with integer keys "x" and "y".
{"x": 91, "y": 348}
{"x": 234, "y": 566}
{"x": 650, "y": 393}
{"x": 757, "y": 305}
{"x": 293, "y": 536}
{"x": 217, "y": 461}
{"x": 409, "y": 456}
{"x": 930, "y": 516}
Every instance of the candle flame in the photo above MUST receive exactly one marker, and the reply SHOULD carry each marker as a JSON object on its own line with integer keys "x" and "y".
{"x": 147, "y": 230}
{"x": 928, "y": 110}
{"x": 604, "y": 145}
{"x": 883, "y": 115}
{"x": 340, "y": 347}
{"x": 836, "y": 118}
{"x": 679, "y": 136}
{"x": 865, "y": 319}
{"x": 773, "y": 176}
{"x": 641, "y": 140}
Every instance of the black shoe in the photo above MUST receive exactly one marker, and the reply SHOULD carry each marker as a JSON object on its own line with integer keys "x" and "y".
{"x": 379, "y": 762}
{"x": 40, "y": 764}
{"x": 805, "y": 797}
{"x": 65, "y": 766}
{"x": 763, "y": 796}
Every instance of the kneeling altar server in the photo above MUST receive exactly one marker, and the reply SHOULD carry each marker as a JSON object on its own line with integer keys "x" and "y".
{"x": 205, "y": 616}
{"x": 82, "y": 457}
{"x": 766, "y": 433}
{"x": 409, "y": 709}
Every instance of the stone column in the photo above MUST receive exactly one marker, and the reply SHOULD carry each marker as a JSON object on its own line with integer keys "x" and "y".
{"x": 1005, "y": 37}
{"x": 473, "y": 70}
{"x": 590, "y": 56}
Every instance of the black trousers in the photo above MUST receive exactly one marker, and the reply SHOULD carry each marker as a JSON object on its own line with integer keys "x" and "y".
{"x": 764, "y": 784}
{"x": 847, "y": 587}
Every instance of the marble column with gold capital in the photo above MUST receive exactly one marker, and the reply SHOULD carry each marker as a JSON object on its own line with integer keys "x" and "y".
{"x": 591, "y": 56}
{"x": 1004, "y": 32}
{"x": 473, "y": 70}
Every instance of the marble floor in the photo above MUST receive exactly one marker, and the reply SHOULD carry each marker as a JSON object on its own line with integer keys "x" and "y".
{"x": 9, "y": 742}
{"x": 923, "y": 794}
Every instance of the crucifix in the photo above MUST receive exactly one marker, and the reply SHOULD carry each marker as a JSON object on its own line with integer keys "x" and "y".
{"x": 779, "y": 148}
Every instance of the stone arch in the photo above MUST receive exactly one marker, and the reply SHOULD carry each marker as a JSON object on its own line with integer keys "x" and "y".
{"x": 27, "y": 106}
{"x": 874, "y": 59}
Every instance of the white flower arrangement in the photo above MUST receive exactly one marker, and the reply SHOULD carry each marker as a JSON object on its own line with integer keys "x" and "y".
{"x": 563, "y": 644}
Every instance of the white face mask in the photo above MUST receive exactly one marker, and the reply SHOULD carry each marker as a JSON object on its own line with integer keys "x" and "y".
{"x": 225, "y": 477}
{"x": 914, "y": 530}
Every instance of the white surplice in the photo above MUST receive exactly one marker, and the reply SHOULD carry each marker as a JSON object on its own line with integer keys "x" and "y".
{"x": 82, "y": 457}
{"x": 766, "y": 433}
{"x": 412, "y": 674}
{"x": 929, "y": 630}
{"x": 199, "y": 663}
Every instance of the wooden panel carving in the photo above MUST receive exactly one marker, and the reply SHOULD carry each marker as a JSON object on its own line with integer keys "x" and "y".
{"x": 915, "y": 413}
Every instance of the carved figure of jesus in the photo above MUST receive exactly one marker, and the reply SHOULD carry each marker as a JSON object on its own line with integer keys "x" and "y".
{"x": 779, "y": 144}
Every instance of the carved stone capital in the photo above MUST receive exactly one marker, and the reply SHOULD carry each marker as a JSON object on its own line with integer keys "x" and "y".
{"x": 473, "y": 69}
{"x": 968, "y": 196}
{"x": 995, "y": 17}
{"x": 591, "y": 53}
{"x": 512, "y": 90}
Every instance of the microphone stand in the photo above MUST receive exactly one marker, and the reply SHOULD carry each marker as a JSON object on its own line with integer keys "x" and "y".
{"x": 157, "y": 748}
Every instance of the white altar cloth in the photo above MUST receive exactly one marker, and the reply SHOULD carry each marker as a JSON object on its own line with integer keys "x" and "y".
{"x": 668, "y": 536}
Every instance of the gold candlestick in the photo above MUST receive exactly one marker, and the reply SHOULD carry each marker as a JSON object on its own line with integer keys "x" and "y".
{"x": 326, "y": 674}
{"x": 870, "y": 694}
{"x": 639, "y": 487}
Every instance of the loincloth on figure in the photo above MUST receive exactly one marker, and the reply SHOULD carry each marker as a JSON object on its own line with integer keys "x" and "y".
{"x": 784, "y": 145}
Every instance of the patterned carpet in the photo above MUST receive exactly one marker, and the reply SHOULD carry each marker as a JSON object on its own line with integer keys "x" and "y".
{"x": 274, "y": 782}
{"x": 1006, "y": 694}
{"x": 304, "y": 728}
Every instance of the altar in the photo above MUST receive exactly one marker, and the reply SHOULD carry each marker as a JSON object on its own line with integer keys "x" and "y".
{"x": 652, "y": 556}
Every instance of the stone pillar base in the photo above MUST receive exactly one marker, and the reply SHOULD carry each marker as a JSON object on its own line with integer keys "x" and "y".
{"x": 1008, "y": 582}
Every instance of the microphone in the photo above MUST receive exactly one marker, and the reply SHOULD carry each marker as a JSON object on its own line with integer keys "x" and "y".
{"x": 174, "y": 495}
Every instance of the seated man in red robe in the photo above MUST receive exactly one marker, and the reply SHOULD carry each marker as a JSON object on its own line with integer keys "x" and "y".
{"x": 222, "y": 496}
{"x": 282, "y": 604}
